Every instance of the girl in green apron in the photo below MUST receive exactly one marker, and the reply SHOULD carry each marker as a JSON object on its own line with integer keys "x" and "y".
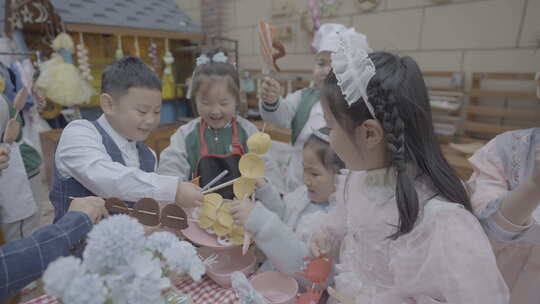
{"x": 301, "y": 111}
{"x": 216, "y": 140}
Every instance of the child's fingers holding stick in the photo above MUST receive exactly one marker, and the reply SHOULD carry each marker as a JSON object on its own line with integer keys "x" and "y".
{"x": 319, "y": 244}
{"x": 4, "y": 156}
{"x": 241, "y": 210}
{"x": 270, "y": 90}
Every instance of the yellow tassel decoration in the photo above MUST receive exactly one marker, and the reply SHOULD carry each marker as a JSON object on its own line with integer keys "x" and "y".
{"x": 167, "y": 80}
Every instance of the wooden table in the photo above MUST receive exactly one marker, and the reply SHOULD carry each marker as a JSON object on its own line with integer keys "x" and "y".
{"x": 205, "y": 291}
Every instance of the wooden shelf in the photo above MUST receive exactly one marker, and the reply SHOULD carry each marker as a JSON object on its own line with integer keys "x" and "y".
{"x": 515, "y": 114}
{"x": 502, "y": 94}
{"x": 486, "y": 128}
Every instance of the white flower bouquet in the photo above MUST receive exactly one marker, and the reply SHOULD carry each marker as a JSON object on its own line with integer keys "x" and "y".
{"x": 120, "y": 265}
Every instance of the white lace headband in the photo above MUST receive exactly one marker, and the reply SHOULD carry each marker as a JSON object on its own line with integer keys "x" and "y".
{"x": 353, "y": 68}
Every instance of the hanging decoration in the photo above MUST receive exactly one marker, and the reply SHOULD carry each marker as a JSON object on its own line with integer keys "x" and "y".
{"x": 19, "y": 13}
{"x": 60, "y": 80}
{"x": 82, "y": 59}
{"x": 137, "y": 48}
{"x": 167, "y": 80}
{"x": 367, "y": 5}
{"x": 315, "y": 12}
{"x": 153, "y": 54}
{"x": 119, "y": 52}
{"x": 310, "y": 20}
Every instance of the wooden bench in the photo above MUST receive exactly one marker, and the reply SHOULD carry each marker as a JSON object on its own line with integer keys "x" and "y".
{"x": 447, "y": 97}
{"x": 492, "y": 110}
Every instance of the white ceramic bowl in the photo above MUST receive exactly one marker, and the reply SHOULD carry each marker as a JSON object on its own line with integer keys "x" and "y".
{"x": 276, "y": 287}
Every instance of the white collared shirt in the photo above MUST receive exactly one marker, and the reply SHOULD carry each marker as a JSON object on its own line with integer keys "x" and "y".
{"x": 81, "y": 154}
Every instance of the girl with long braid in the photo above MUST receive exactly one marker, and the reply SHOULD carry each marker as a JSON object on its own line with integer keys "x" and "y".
{"x": 403, "y": 223}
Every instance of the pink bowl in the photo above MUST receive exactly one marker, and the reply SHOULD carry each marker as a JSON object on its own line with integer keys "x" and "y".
{"x": 228, "y": 261}
{"x": 276, "y": 287}
{"x": 200, "y": 237}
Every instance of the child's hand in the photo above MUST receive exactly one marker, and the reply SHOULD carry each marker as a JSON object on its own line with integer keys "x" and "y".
{"x": 319, "y": 244}
{"x": 261, "y": 182}
{"x": 4, "y": 157}
{"x": 92, "y": 206}
{"x": 188, "y": 195}
{"x": 269, "y": 90}
{"x": 241, "y": 210}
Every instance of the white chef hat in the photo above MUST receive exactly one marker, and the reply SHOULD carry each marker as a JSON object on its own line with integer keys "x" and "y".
{"x": 326, "y": 38}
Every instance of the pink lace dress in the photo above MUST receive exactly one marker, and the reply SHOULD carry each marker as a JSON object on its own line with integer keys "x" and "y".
{"x": 446, "y": 258}
{"x": 499, "y": 167}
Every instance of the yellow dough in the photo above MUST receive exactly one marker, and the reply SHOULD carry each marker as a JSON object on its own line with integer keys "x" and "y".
{"x": 251, "y": 166}
{"x": 2, "y": 84}
{"x": 222, "y": 230}
{"x": 209, "y": 211}
{"x": 259, "y": 143}
{"x": 205, "y": 222}
{"x": 237, "y": 235}
{"x": 243, "y": 186}
{"x": 213, "y": 199}
{"x": 224, "y": 215}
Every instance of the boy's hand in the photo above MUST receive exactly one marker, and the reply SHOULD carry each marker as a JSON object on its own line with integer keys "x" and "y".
{"x": 4, "y": 157}
{"x": 270, "y": 90}
{"x": 92, "y": 206}
{"x": 241, "y": 210}
{"x": 188, "y": 195}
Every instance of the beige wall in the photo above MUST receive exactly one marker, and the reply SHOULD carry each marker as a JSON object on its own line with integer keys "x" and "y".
{"x": 465, "y": 35}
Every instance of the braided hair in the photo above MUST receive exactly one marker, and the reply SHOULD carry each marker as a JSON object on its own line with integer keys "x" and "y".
{"x": 399, "y": 97}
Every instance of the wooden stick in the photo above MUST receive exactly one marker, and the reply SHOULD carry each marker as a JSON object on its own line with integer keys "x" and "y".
{"x": 218, "y": 187}
{"x": 215, "y": 180}
{"x": 247, "y": 236}
{"x": 264, "y": 127}
{"x": 137, "y": 48}
{"x": 181, "y": 218}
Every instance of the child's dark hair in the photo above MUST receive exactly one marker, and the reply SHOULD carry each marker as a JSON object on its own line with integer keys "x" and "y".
{"x": 399, "y": 97}
{"x": 128, "y": 72}
{"x": 324, "y": 152}
{"x": 204, "y": 72}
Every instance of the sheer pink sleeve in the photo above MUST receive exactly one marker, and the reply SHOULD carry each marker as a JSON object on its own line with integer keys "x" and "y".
{"x": 488, "y": 187}
{"x": 488, "y": 181}
{"x": 446, "y": 259}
